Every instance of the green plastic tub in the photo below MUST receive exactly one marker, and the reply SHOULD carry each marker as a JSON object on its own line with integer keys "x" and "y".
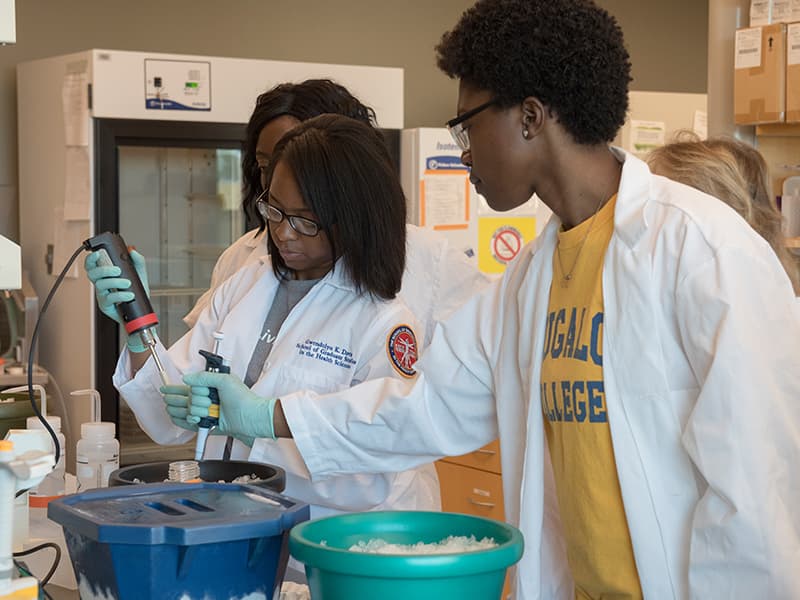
{"x": 335, "y": 573}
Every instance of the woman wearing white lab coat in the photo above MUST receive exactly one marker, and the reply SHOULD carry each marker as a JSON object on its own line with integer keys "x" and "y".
{"x": 438, "y": 278}
{"x": 333, "y": 315}
{"x": 699, "y": 346}
{"x": 336, "y": 217}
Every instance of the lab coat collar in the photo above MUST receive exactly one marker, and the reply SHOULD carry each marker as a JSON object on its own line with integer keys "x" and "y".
{"x": 336, "y": 277}
{"x": 630, "y": 220}
{"x": 255, "y": 238}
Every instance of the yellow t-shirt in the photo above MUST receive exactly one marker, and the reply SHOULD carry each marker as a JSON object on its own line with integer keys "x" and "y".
{"x": 576, "y": 421}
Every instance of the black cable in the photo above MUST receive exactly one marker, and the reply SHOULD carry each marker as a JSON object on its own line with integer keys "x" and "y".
{"x": 32, "y": 349}
{"x": 57, "y": 559}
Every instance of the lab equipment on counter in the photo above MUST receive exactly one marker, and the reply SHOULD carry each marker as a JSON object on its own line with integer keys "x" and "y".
{"x": 271, "y": 477}
{"x": 42, "y": 532}
{"x": 214, "y": 364}
{"x": 10, "y": 264}
{"x": 53, "y": 484}
{"x": 15, "y": 408}
{"x": 138, "y": 314}
{"x": 25, "y": 459}
{"x": 97, "y": 452}
{"x": 178, "y": 540}
{"x": 184, "y": 470}
{"x": 336, "y": 573}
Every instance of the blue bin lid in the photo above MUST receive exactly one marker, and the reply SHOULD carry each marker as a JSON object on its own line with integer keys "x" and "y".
{"x": 182, "y": 514}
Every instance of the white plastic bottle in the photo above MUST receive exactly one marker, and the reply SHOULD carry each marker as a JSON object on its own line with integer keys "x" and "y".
{"x": 97, "y": 455}
{"x": 54, "y": 483}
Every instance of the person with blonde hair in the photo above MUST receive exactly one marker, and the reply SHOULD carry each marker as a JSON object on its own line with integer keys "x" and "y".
{"x": 737, "y": 174}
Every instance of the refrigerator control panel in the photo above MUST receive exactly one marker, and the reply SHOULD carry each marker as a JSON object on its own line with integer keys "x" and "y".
{"x": 177, "y": 85}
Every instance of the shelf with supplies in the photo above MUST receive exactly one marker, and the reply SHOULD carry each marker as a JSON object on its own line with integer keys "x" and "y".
{"x": 16, "y": 379}
{"x": 473, "y": 484}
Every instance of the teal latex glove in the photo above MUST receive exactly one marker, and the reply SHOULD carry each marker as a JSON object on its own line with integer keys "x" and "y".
{"x": 176, "y": 401}
{"x": 242, "y": 413}
{"x": 110, "y": 289}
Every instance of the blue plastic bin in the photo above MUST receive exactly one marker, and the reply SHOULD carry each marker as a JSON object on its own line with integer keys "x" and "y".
{"x": 178, "y": 541}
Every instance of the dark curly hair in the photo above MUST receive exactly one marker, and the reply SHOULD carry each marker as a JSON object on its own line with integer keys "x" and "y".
{"x": 347, "y": 178}
{"x": 302, "y": 101}
{"x": 567, "y": 53}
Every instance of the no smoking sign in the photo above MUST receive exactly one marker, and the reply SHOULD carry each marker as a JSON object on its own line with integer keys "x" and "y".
{"x": 506, "y": 244}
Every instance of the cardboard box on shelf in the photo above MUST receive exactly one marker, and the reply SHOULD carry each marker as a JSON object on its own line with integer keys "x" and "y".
{"x": 759, "y": 81}
{"x": 767, "y": 12}
{"x": 793, "y": 73}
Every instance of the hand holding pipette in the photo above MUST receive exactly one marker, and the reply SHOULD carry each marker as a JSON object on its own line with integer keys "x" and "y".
{"x": 214, "y": 364}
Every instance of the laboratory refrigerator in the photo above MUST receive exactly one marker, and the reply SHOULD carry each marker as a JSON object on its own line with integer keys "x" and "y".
{"x": 148, "y": 145}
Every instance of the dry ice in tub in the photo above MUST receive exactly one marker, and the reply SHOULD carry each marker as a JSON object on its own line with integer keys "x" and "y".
{"x": 453, "y": 544}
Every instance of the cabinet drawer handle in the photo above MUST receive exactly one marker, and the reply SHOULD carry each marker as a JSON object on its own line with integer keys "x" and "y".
{"x": 485, "y": 452}
{"x": 485, "y": 504}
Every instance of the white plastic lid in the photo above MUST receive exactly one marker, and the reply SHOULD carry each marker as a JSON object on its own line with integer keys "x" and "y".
{"x": 34, "y": 422}
{"x": 98, "y": 431}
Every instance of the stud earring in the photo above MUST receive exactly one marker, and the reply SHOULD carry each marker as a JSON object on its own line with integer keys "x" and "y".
{"x": 525, "y": 133}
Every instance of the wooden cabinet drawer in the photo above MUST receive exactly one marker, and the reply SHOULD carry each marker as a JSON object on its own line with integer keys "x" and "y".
{"x": 471, "y": 491}
{"x": 486, "y": 458}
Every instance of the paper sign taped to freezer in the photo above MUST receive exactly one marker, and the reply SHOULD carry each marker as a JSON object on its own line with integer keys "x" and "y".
{"x": 75, "y": 105}
{"x": 77, "y": 185}
{"x": 444, "y": 200}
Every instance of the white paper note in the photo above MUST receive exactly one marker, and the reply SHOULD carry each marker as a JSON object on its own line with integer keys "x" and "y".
{"x": 446, "y": 200}
{"x": 646, "y": 135}
{"x": 793, "y": 44}
{"x": 77, "y": 187}
{"x": 748, "y": 48}
{"x": 700, "y": 124}
{"x": 75, "y": 100}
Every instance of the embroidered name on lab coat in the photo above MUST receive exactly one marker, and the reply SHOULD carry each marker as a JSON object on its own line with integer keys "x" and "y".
{"x": 334, "y": 355}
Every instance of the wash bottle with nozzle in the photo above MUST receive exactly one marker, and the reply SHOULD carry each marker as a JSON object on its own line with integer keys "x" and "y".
{"x": 215, "y": 364}
{"x": 97, "y": 452}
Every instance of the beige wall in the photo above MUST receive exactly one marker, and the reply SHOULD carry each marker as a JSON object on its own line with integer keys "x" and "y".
{"x": 396, "y": 33}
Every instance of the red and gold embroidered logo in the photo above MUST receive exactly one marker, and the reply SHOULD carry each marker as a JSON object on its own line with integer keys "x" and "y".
{"x": 401, "y": 345}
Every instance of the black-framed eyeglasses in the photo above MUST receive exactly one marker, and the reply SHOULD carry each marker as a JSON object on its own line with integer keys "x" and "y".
{"x": 273, "y": 214}
{"x": 457, "y": 129}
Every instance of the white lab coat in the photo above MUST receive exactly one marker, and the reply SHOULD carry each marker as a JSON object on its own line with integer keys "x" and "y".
{"x": 702, "y": 380}
{"x": 437, "y": 279}
{"x": 331, "y": 313}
